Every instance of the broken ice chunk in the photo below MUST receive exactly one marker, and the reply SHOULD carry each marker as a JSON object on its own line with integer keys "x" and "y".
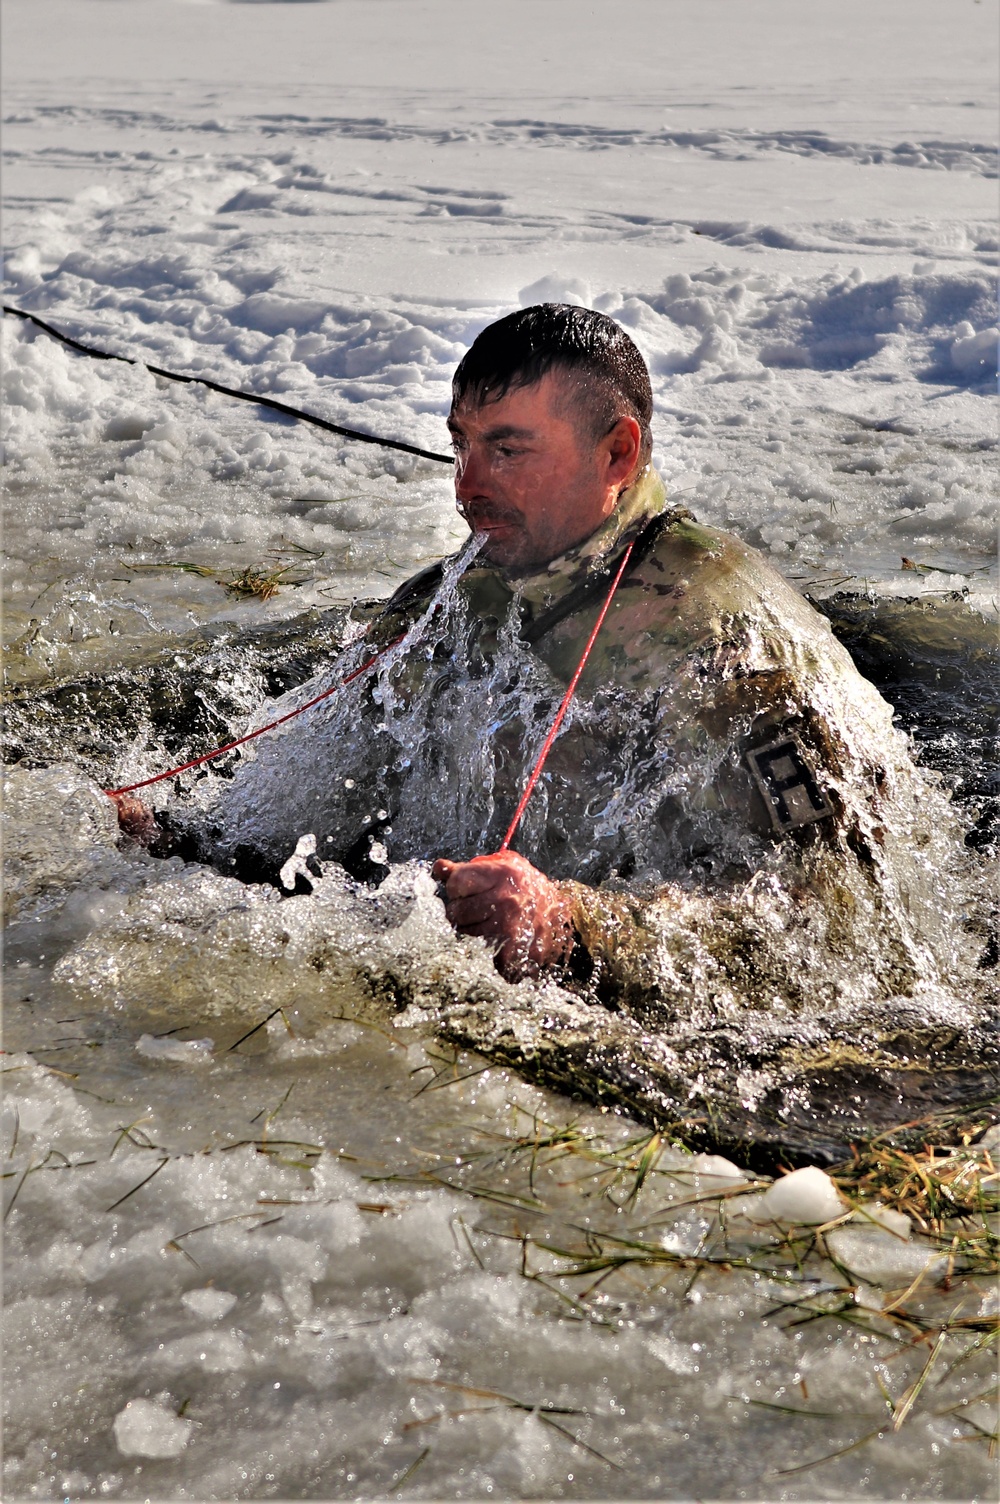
{"x": 208, "y": 1304}
{"x": 146, "y": 1428}
{"x": 182, "y": 1051}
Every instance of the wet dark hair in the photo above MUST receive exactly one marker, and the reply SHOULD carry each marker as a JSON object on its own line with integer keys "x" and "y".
{"x": 607, "y": 376}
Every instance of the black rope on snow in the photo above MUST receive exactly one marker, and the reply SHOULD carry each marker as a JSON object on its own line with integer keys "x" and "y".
{"x": 230, "y": 391}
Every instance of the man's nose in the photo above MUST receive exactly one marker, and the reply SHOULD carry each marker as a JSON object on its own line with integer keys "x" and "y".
{"x": 471, "y": 475}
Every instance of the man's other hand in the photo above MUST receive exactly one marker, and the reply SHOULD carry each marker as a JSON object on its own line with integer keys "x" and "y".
{"x": 504, "y": 898}
{"x": 137, "y": 820}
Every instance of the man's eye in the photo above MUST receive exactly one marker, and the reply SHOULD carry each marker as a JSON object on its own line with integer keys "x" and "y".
{"x": 508, "y": 452}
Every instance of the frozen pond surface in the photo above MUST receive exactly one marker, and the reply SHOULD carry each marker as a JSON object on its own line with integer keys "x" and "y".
{"x": 328, "y": 1255}
{"x": 328, "y": 1320}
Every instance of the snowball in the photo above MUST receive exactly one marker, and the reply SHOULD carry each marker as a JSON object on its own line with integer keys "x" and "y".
{"x": 715, "y": 1167}
{"x": 147, "y": 1429}
{"x": 806, "y": 1196}
{"x": 208, "y": 1304}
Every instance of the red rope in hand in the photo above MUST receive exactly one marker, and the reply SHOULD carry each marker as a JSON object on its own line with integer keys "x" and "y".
{"x": 252, "y": 735}
{"x": 561, "y": 712}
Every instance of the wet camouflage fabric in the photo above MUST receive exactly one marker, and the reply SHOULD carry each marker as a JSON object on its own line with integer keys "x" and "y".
{"x": 720, "y": 700}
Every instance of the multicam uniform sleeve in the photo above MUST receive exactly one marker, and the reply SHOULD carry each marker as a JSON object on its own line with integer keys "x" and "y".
{"x": 617, "y": 955}
{"x": 796, "y": 790}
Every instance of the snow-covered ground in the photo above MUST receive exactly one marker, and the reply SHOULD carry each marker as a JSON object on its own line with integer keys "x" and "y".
{"x": 792, "y": 209}
{"x": 794, "y": 217}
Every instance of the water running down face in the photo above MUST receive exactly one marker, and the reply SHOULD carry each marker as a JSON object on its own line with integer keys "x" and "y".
{"x": 530, "y": 478}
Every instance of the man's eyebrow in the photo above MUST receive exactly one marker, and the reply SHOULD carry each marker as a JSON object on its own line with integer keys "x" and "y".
{"x": 499, "y": 432}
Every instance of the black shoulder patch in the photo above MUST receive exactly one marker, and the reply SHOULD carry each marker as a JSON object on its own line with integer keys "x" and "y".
{"x": 788, "y": 784}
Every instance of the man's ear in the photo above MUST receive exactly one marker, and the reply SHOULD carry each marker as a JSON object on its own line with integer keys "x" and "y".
{"x": 621, "y": 449}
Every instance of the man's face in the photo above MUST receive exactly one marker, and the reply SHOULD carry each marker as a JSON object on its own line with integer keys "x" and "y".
{"x": 527, "y": 478}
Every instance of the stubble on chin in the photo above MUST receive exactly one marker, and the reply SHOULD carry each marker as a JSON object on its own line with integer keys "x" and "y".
{"x": 513, "y": 554}
{"x": 502, "y": 551}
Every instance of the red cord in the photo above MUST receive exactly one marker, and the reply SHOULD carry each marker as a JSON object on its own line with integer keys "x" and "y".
{"x": 239, "y": 742}
{"x": 536, "y": 771}
{"x": 560, "y": 713}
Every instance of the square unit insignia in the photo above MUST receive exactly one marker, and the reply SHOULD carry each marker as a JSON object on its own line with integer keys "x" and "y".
{"x": 788, "y": 784}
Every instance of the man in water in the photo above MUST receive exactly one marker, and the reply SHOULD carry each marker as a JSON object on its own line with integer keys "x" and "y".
{"x": 741, "y": 679}
{"x": 747, "y": 746}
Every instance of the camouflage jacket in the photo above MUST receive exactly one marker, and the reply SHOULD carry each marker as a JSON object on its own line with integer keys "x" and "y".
{"x": 719, "y": 731}
{"x": 724, "y": 779}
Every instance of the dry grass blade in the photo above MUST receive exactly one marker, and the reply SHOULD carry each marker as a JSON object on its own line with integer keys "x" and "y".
{"x": 258, "y": 582}
{"x": 580, "y": 1311}
{"x": 788, "y": 1409}
{"x": 914, "y": 1285}
{"x": 584, "y": 1446}
{"x": 852, "y": 1446}
{"x": 204, "y": 571}
{"x": 439, "y": 1415}
{"x": 497, "y": 1394}
{"x": 254, "y": 582}
{"x": 647, "y": 1161}
{"x": 17, "y": 1190}
{"x": 992, "y": 1437}
{"x": 988, "y": 1397}
{"x": 69, "y": 1164}
{"x": 988, "y": 1337}
{"x": 545, "y": 1413}
{"x": 17, "y": 1129}
{"x": 138, "y": 1187}
{"x": 404, "y": 1477}
{"x": 251, "y": 1032}
{"x": 468, "y": 1240}
{"x": 129, "y": 1133}
{"x": 477, "y": 1192}
{"x": 724, "y": 1193}
{"x": 274, "y": 1110}
{"x": 932, "y": 1186}
{"x": 204, "y": 1226}
{"x": 436, "y": 1083}
{"x": 909, "y": 1399}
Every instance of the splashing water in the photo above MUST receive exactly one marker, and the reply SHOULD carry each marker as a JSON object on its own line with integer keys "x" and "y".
{"x": 281, "y": 1324}
{"x": 767, "y": 1000}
